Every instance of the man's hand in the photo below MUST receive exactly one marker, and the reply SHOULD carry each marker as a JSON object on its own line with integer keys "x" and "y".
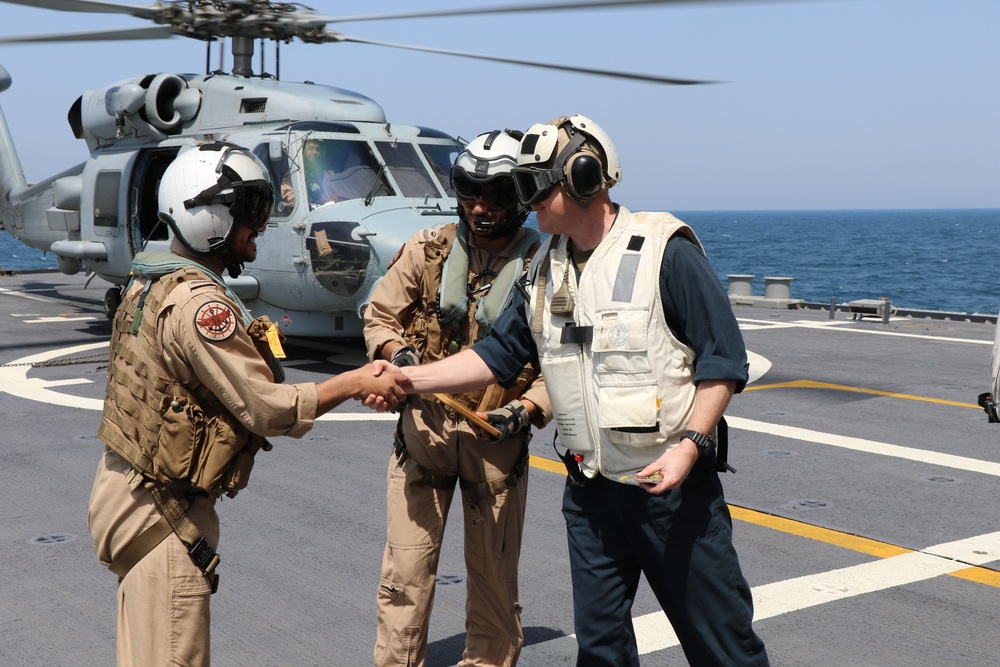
{"x": 380, "y": 371}
{"x": 380, "y": 392}
{"x": 511, "y": 418}
{"x": 675, "y": 465}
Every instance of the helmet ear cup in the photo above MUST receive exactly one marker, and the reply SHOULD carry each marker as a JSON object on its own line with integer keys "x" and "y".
{"x": 584, "y": 175}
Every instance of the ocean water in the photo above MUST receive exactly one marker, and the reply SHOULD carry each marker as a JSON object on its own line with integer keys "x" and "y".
{"x": 920, "y": 259}
{"x": 15, "y": 256}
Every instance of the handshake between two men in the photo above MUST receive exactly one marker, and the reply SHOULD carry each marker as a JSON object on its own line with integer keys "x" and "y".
{"x": 458, "y": 373}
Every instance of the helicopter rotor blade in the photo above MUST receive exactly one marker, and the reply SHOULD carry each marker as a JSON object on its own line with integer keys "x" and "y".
{"x": 91, "y": 6}
{"x": 336, "y": 37}
{"x": 158, "y": 32}
{"x": 514, "y": 9}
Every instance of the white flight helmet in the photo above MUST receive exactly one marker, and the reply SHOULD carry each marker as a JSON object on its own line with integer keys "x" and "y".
{"x": 571, "y": 150}
{"x": 483, "y": 169}
{"x": 208, "y": 190}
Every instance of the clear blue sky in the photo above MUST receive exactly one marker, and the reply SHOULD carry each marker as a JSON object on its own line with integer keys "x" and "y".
{"x": 829, "y": 103}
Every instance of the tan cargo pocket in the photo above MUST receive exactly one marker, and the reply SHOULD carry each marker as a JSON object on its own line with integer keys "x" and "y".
{"x": 179, "y": 436}
{"x": 220, "y": 449}
{"x": 197, "y": 451}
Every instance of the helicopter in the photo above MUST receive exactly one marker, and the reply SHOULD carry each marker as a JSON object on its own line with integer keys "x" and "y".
{"x": 350, "y": 187}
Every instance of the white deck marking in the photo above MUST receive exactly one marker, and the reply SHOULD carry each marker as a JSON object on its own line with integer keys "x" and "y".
{"x": 870, "y": 446}
{"x": 653, "y": 631}
{"x": 369, "y": 416}
{"x": 752, "y": 325}
{"x": 25, "y": 294}
{"x": 44, "y": 320}
{"x": 14, "y": 380}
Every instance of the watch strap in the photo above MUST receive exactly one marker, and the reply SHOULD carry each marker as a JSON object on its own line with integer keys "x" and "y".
{"x": 705, "y": 443}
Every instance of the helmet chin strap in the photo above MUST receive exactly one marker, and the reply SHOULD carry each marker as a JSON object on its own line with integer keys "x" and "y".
{"x": 489, "y": 229}
{"x": 233, "y": 265}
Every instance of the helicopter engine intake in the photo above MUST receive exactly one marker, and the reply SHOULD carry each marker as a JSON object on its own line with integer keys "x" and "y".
{"x": 153, "y": 106}
{"x": 161, "y": 94}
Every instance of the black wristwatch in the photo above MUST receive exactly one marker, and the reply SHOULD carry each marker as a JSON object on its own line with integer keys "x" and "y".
{"x": 705, "y": 443}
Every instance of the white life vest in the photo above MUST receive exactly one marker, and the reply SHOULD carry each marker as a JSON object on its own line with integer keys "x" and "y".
{"x": 621, "y": 384}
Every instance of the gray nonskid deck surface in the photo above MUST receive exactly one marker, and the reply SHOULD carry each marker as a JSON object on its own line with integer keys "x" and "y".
{"x": 850, "y": 452}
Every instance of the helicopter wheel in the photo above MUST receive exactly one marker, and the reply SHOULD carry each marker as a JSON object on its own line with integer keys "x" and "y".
{"x": 112, "y": 299}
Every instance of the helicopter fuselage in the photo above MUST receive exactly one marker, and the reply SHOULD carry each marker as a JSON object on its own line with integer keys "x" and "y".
{"x": 350, "y": 188}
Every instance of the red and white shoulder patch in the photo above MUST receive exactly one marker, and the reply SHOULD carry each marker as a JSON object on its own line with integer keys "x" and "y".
{"x": 215, "y": 321}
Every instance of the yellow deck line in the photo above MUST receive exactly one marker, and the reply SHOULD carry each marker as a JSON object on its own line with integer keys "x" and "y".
{"x": 810, "y": 384}
{"x": 865, "y": 545}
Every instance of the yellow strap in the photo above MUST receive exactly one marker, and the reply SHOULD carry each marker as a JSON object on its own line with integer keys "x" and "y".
{"x": 275, "y": 342}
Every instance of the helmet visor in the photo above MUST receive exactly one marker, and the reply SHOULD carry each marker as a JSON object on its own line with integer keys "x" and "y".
{"x": 498, "y": 192}
{"x": 254, "y": 201}
{"x": 533, "y": 185}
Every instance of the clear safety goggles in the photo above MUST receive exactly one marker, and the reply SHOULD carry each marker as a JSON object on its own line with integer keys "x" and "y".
{"x": 533, "y": 185}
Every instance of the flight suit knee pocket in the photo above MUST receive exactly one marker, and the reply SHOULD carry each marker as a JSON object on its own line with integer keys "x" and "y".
{"x": 397, "y": 643}
{"x": 493, "y": 537}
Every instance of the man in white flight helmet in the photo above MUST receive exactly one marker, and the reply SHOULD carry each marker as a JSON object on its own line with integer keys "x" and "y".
{"x": 441, "y": 294}
{"x": 635, "y": 335}
{"x": 191, "y": 394}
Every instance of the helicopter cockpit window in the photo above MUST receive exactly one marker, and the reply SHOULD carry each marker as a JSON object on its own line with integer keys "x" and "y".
{"x": 405, "y": 166}
{"x": 340, "y": 169}
{"x": 281, "y": 177}
{"x": 441, "y": 157}
{"x": 106, "y": 198}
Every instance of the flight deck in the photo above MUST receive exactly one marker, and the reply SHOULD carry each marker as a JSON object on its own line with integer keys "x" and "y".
{"x": 865, "y": 504}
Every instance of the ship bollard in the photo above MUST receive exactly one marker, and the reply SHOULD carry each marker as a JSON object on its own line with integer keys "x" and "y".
{"x": 777, "y": 287}
{"x": 740, "y": 284}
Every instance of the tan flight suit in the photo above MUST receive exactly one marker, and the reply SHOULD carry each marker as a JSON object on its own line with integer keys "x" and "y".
{"x": 163, "y": 602}
{"x": 443, "y": 444}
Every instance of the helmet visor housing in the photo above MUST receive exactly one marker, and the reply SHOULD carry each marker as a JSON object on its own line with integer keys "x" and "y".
{"x": 497, "y": 191}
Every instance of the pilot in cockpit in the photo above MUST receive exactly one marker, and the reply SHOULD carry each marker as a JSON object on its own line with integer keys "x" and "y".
{"x": 317, "y": 171}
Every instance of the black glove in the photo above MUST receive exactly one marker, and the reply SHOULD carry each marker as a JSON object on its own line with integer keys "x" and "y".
{"x": 404, "y": 356}
{"x": 511, "y": 418}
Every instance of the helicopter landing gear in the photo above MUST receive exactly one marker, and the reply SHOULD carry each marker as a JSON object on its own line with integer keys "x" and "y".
{"x": 112, "y": 299}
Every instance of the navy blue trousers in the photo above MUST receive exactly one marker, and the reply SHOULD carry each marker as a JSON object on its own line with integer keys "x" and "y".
{"x": 682, "y": 542}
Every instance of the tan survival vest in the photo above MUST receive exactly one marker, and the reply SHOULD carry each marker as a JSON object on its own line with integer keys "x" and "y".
{"x": 435, "y": 339}
{"x": 178, "y": 444}
{"x": 187, "y": 443}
